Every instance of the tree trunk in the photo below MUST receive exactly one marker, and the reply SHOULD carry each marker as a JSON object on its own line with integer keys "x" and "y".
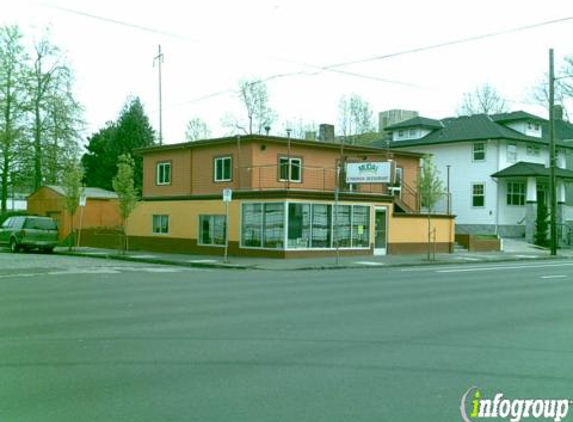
{"x": 37, "y": 149}
{"x": 4, "y": 193}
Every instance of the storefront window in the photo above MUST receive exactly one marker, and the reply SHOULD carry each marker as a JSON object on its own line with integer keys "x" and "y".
{"x": 321, "y": 226}
{"x": 274, "y": 226}
{"x": 252, "y": 225}
{"x": 298, "y": 226}
{"x": 342, "y": 226}
{"x": 360, "y": 226}
{"x": 212, "y": 229}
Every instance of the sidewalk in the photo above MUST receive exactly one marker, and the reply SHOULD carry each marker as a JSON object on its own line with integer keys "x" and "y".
{"x": 514, "y": 250}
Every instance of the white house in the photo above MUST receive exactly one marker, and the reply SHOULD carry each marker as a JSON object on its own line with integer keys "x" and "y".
{"x": 497, "y": 166}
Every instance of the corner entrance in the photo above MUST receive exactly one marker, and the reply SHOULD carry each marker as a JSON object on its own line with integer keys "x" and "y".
{"x": 380, "y": 231}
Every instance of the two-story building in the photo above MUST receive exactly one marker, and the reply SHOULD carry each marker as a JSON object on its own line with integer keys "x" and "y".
{"x": 290, "y": 198}
{"x": 496, "y": 166}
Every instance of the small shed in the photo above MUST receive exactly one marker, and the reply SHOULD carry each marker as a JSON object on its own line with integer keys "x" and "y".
{"x": 101, "y": 209}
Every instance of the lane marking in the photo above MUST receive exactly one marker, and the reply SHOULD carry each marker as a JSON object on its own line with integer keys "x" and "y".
{"x": 369, "y": 263}
{"x": 476, "y": 267}
{"x": 554, "y": 276}
{"x": 501, "y": 267}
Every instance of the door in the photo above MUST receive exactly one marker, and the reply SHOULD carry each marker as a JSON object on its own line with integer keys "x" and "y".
{"x": 380, "y": 231}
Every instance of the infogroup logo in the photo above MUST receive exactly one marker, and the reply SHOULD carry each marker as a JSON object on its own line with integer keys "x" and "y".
{"x": 475, "y": 407}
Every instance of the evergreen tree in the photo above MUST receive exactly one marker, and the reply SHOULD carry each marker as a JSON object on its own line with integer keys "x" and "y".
{"x": 131, "y": 131}
{"x": 541, "y": 225}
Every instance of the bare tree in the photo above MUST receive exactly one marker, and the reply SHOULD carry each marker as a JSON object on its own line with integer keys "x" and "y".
{"x": 355, "y": 118}
{"x": 13, "y": 62}
{"x": 563, "y": 91}
{"x": 197, "y": 129}
{"x": 254, "y": 97}
{"x": 484, "y": 99}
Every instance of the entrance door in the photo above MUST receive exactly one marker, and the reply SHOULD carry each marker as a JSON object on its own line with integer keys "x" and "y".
{"x": 380, "y": 232}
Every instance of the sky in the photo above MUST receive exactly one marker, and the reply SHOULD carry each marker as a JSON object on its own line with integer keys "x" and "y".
{"x": 208, "y": 46}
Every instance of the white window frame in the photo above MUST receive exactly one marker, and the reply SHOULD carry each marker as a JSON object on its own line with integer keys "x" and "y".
{"x": 290, "y": 166}
{"x": 511, "y": 156}
{"x": 474, "y": 152}
{"x": 515, "y": 194}
{"x": 160, "y": 225}
{"x": 473, "y": 195}
{"x": 212, "y": 223}
{"x": 220, "y": 161}
{"x": 160, "y": 174}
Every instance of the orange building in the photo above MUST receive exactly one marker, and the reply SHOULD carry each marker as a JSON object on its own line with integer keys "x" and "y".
{"x": 290, "y": 198}
{"x": 101, "y": 209}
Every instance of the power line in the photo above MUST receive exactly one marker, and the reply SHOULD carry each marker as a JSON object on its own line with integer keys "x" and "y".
{"x": 117, "y": 22}
{"x": 449, "y": 43}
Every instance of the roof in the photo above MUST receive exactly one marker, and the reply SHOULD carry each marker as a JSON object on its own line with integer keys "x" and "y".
{"x": 513, "y": 116}
{"x": 524, "y": 169}
{"x": 93, "y": 193}
{"x": 269, "y": 139}
{"x": 416, "y": 122}
{"x": 483, "y": 127}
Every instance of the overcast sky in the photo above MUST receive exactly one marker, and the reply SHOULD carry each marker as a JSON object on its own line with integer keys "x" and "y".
{"x": 210, "y": 45}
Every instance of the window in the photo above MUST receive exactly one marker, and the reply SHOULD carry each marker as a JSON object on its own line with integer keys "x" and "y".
{"x": 252, "y": 225}
{"x": 511, "y": 153}
{"x": 413, "y": 133}
{"x": 212, "y": 229}
{"x": 515, "y": 193}
{"x": 163, "y": 174}
{"x": 479, "y": 151}
{"x": 160, "y": 224}
{"x": 321, "y": 226}
{"x": 342, "y": 226}
{"x": 223, "y": 169}
{"x": 478, "y": 195}
{"x": 292, "y": 172}
{"x": 298, "y": 226}
{"x": 533, "y": 150}
{"x": 263, "y": 225}
{"x": 360, "y": 226}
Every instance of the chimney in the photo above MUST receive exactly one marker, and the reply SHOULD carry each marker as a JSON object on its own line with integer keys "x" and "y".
{"x": 310, "y": 135}
{"x": 326, "y": 133}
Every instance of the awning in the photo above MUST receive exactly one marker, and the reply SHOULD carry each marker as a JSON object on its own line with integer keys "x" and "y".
{"x": 524, "y": 169}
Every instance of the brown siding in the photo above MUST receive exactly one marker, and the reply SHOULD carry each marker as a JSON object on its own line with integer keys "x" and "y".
{"x": 96, "y": 213}
{"x": 180, "y": 173}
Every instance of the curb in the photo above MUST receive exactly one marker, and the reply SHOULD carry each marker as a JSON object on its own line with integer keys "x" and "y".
{"x": 223, "y": 266}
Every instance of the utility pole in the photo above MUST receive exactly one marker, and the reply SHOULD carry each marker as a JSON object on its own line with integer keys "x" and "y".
{"x": 552, "y": 190}
{"x": 159, "y": 59}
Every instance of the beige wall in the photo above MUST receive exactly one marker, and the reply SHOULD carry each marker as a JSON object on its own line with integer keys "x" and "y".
{"x": 414, "y": 229}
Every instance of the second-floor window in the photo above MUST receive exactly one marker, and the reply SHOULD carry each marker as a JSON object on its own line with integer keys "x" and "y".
{"x": 223, "y": 166}
{"x": 479, "y": 151}
{"x": 511, "y": 153}
{"x": 163, "y": 174}
{"x": 290, "y": 169}
{"x": 533, "y": 150}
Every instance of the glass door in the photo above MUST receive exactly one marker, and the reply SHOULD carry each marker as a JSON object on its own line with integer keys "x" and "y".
{"x": 380, "y": 231}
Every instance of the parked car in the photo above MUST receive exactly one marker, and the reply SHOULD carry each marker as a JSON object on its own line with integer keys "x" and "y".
{"x": 27, "y": 232}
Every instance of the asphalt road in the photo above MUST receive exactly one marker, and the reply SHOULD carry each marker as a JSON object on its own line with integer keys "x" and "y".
{"x": 92, "y": 340}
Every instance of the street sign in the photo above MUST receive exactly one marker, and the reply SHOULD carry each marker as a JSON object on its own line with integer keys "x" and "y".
{"x": 227, "y": 194}
{"x": 83, "y": 200}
